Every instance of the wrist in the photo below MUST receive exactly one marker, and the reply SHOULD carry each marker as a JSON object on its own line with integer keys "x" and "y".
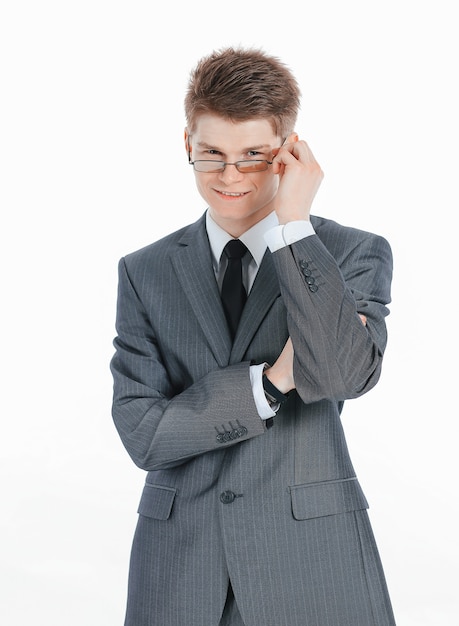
{"x": 273, "y": 394}
{"x": 283, "y": 383}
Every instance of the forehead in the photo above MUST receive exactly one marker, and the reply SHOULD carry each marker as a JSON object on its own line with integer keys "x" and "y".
{"x": 215, "y": 131}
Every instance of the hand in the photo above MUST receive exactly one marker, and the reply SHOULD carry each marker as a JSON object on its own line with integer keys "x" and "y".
{"x": 300, "y": 177}
{"x": 281, "y": 373}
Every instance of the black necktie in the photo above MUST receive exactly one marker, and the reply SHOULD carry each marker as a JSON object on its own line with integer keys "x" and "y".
{"x": 233, "y": 292}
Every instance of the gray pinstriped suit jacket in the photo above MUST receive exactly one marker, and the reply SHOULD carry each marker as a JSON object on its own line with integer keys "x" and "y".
{"x": 278, "y": 511}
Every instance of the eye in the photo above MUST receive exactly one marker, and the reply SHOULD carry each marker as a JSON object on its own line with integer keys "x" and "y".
{"x": 253, "y": 153}
{"x": 213, "y": 152}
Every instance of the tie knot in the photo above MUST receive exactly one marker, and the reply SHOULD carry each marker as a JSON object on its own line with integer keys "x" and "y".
{"x": 235, "y": 249}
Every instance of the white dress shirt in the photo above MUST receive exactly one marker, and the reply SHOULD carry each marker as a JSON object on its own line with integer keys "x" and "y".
{"x": 266, "y": 233}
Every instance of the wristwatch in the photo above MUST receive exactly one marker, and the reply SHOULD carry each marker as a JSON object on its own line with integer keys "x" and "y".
{"x": 274, "y": 397}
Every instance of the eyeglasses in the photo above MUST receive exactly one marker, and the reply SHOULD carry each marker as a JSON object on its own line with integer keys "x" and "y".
{"x": 245, "y": 167}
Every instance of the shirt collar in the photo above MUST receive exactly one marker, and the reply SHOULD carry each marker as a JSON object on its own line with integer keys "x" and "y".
{"x": 252, "y": 238}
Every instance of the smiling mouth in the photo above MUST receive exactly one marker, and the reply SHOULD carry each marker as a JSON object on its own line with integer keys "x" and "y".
{"x": 233, "y": 194}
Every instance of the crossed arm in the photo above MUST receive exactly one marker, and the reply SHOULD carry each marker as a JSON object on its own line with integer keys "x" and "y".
{"x": 330, "y": 354}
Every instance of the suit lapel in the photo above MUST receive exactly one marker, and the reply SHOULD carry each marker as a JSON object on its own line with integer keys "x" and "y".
{"x": 193, "y": 264}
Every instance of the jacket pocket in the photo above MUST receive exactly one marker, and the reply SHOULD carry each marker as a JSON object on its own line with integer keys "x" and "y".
{"x": 156, "y": 501}
{"x": 327, "y": 498}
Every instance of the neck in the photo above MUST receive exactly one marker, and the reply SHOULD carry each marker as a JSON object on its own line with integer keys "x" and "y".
{"x": 237, "y": 227}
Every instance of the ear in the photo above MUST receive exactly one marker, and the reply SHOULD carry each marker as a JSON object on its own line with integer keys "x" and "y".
{"x": 186, "y": 137}
{"x": 292, "y": 138}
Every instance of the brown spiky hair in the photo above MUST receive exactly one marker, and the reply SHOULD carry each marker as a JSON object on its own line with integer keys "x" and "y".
{"x": 242, "y": 84}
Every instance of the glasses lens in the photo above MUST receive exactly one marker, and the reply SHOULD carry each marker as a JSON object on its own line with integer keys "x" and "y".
{"x": 245, "y": 167}
{"x": 209, "y": 166}
{"x": 252, "y": 166}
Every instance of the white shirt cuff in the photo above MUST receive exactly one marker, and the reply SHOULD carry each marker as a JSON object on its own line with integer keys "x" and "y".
{"x": 286, "y": 234}
{"x": 263, "y": 408}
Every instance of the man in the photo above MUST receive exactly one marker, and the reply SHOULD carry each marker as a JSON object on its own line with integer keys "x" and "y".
{"x": 251, "y": 512}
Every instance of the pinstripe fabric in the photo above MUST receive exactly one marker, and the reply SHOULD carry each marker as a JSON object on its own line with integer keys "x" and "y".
{"x": 294, "y": 539}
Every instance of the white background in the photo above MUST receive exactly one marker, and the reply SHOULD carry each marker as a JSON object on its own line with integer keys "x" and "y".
{"x": 93, "y": 166}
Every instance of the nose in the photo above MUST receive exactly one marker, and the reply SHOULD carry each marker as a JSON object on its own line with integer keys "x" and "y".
{"x": 230, "y": 174}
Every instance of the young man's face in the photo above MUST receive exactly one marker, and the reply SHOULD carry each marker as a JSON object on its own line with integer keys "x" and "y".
{"x": 236, "y": 200}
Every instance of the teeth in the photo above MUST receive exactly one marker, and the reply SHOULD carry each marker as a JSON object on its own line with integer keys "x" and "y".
{"x": 229, "y": 193}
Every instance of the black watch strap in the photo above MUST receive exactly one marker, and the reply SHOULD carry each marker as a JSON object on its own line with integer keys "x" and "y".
{"x": 272, "y": 391}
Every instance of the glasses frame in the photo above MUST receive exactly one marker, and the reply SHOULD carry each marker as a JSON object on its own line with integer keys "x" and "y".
{"x": 223, "y": 164}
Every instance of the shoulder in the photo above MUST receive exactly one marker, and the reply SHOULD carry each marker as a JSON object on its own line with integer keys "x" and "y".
{"x": 160, "y": 250}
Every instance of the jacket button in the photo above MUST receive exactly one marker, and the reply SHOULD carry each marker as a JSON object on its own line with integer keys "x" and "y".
{"x": 227, "y": 497}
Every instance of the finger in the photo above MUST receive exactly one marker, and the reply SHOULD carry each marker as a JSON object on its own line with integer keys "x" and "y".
{"x": 278, "y": 167}
{"x": 299, "y": 150}
{"x": 286, "y": 155}
{"x": 302, "y": 148}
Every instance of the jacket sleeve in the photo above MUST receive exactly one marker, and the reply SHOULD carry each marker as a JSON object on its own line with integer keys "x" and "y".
{"x": 336, "y": 356}
{"x": 160, "y": 425}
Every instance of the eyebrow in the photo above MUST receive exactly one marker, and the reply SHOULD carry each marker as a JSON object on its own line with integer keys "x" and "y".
{"x": 209, "y": 146}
